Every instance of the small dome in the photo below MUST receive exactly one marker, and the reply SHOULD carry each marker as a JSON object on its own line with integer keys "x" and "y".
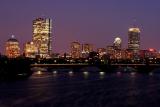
{"x": 12, "y": 39}
{"x": 117, "y": 40}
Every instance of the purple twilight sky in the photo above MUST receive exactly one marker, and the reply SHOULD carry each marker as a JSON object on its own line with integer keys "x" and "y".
{"x": 88, "y": 21}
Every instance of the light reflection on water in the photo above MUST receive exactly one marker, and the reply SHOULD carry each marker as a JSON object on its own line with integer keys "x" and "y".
{"x": 39, "y": 72}
{"x": 54, "y": 72}
{"x": 82, "y": 89}
{"x": 71, "y": 73}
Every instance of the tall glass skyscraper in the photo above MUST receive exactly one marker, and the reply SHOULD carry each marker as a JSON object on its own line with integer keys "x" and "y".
{"x": 42, "y": 36}
{"x": 134, "y": 39}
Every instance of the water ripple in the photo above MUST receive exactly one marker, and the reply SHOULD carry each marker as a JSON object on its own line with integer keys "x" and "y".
{"x": 64, "y": 90}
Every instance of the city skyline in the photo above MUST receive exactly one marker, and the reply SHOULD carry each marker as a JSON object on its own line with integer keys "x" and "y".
{"x": 93, "y": 22}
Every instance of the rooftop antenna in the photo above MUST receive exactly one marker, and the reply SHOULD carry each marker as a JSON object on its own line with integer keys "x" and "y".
{"x": 43, "y": 15}
{"x": 134, "y": 22}
{"x": 12, "y": 36}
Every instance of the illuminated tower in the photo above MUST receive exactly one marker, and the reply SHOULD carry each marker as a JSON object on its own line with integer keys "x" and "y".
{"x": 110, "y": 51}
{"x": 101, "y": 52}
{"x": 30, "y": 50}
{"x": 86, "y": 49}
{"x": 117, "y": 43}
{"x": 75, "y": 50}
{"x": 42, "y": 36}
{"x": 12, "y": 49}
{"x": 134, "y": 39}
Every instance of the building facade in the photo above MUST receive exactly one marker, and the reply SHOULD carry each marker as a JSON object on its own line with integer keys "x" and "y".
{"x": 42, "y": 36}
{"x": 75, "y": 50}
{"x": 86, "y": 49}
{"x": 12, "y": 49}
{"x": 134, "y": 39}
{"x": 117, "y": 43}
{"x": 101, "y": 52}
{"x": 110, "y": 51}
{"x": 30, "y": 50}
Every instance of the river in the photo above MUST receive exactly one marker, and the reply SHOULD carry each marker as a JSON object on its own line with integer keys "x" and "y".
{"x": 82, "y": 89}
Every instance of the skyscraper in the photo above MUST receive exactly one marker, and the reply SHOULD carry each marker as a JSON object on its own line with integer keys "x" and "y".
{"x": 86, "y": 49}
{"x": 12, "y": 49}
{"x": 110, "y": 51}
{"x": 75, "y": 50}
{"x": 134, "y": 39}
{"x": 117, "y": 43}
{"x": 101, "y": 52}
{"x": 42, "y": 36}
{"x": 30, "y": 50}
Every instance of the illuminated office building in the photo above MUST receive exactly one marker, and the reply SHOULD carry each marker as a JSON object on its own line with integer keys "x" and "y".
{"x": 42, "y": 36}
{"x": 75, "y": 50}
{"x": 120, "y": 54}
{"x": 110, "y": 51}
{"x": 101, "y": 52}
{"x": 12, "y": 49}
{"x": 134, "y": 39}
{"x": 117, "y": 43}
{"x": 86, "y": 49}
{"x": 151, "y": 53}
{"x": 158, "y": 55}
{"x": 129, "y": 54}
{"x": 30, "y": 50}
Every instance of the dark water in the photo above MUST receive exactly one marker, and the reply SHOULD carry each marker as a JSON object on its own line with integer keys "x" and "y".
{"x": 82, "y": 90}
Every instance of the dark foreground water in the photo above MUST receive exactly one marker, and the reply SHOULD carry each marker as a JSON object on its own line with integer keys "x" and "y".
{"x": 82, "y": 90}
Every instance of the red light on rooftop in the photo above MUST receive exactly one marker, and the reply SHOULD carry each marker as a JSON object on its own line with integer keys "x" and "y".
{"x": 151, "y": 50}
